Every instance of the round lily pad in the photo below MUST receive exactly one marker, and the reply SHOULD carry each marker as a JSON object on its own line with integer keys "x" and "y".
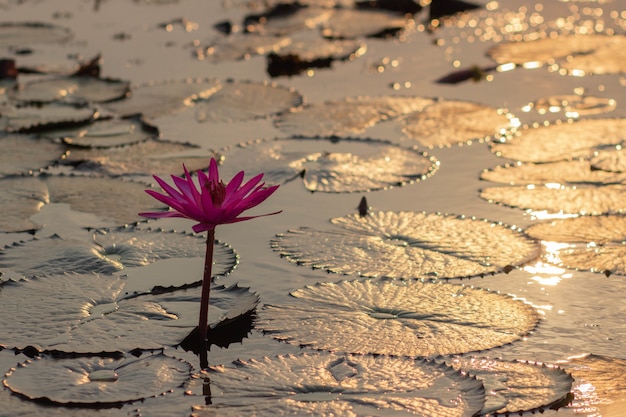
{"x": 516, "y": 386}
{"x": 73, "y": 89}
{"x": 286, "y": 19}
{"x": 612, "y": 160}
{"x": 573, "y": 105}
{"x": 398, "y": 317}
{"x": 562, "y": 141}
{"x": 348, "y": 116}
{"x": 332, "y": 165}
{"x": 108, "y": 133}
{"x": 445, "y": 123}
{"x": 408, "y": 245}
{"x": 38, "y": 118}
{"x": 347, "y": 385}
{"x": 14, "y": 34}
{"x": 96, "y": 381}
{"x": 23, "y": 154}
{"x": 241, "y": 46}
{"x": 347, "y": 23}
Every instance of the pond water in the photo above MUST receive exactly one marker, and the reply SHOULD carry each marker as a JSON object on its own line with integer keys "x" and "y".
{"x": 143, "y": 42}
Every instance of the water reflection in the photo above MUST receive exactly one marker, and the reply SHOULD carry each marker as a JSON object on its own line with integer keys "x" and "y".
{"x": 549, "y": 273}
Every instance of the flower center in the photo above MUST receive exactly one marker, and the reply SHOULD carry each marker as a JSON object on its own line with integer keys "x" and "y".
{"x": 217, "y": 190}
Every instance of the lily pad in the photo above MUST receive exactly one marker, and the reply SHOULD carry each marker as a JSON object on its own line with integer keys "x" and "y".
{"x": 108, "y": 133}
{"x": 347, "y": 385}
{"x": 556, "y": 198}
{"x": 347, "y": 23}
{"x": 331, "y": 165}
{"x": 348, "y": 116}
{"x": 96, "y": 381}
{"x": 578, "y": 171}
{"x": 241, "y": 46}
{"x": 516, "y": 386}
{"x": 409, "y": 244}
{"x": 596, "y": 243}
{"x": 87, "y": 313}
{"x": 611, "y": 160}
{"x": 76, "y": 89}
{"x": 112, "y": 251}
{"x": 156, "y": 99}
{"x": 38, "y": 118}
{"x": 23, "y": 197}
{"x": 23, "y": 154}
{"x": 591, "y": 54}
{"x": 562, "y": 141}
{"x": 452, "y": 122}
{"x": 153, "y": 157}
{"x": 600, "y": 387}
{"x": 16, "y": 35}
{"x": 398, "y": 317}
{"x": 573, "y": 105}
{"x": 287, "y": 18}
{"x": 240, "y": 101}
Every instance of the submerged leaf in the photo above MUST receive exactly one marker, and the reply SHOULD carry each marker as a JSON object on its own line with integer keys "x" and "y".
{"x": 96, "y": 381}
{"x": 409, "y": 244}
{"x": 334, "y": 166}
{"x": 560, "y": 199}
{"x": 347, "y": 385}
{"x": 421, "y": 318}
{"x": 89, "y": 313}
{"x": 515, "y": 386}
{"x": 22, "y": 154}
{"x": 445, "y": 123}
{"x": 562, "y": 141}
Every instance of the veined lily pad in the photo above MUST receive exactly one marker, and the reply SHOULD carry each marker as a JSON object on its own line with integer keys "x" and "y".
{"x": 241, "y": 101}
{"x": 516, "y": 386}
{"x": 451, "y": 122}
{"x": 556, "y": 198}
{"x": 330, "y": 165}
{"x": 23, "y": 154}
{"x": 398, "y": 317}
{"x": 37, "y": 119}
{"x": 23, "y": 197}
{"x": 95, "y": 381}
{"x": 25, "y": 34}
{"x": 154, "y": 157}
{"x": 597, "y": 243}
{"x": 349, "y": 116}
{"x": 89, "y": 313}
{"x": 156, "y": 99}
{"x": 408, "y": 245}
{"x": 578, "y": 171}
{"x": 563, "y": 141}
{"x": 113, "y": 251}
{"x": 347, "y": 385}
{"x": 600, "y": 387}
{"x": 76, "y": 89}
{"x": 108, "y": 133}
{"x": 593, "y": 54}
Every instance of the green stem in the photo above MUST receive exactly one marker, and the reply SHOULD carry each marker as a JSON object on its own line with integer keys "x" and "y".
{"x": 206, "y": 288}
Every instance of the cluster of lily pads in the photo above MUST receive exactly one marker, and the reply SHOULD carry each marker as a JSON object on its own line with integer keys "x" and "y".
{"x": 104, "y": 339}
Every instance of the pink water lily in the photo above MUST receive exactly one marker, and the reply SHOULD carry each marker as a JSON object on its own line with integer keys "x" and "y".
{"x": 215, "y": 202}
{"x": 212, "y": 204}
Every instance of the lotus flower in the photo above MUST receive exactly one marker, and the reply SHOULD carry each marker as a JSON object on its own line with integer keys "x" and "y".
{"x": 214, "y": 203}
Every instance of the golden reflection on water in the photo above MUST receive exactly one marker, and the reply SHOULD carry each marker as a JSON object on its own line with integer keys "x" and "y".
{"x": 549, "y": 273}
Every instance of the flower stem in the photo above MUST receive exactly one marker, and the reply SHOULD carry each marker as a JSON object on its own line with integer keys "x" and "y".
{"x": 206, "y": 288}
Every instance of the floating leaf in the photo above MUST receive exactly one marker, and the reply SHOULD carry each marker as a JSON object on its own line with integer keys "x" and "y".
{"x": 241, "y": 46}
{"x": 96, "y": 381}
{"x": 108, "y": 133}
{"x": 612, "y": 160}
{"x": 24, "y": 34}
{"x": 347, "y": 385}
{"x": 334, "y": 166}
{"x": 286, "y": 18}
{"x": 560, "y": 199}
{"x": 573, "y": 105}
{"x": 154, "y": 157}
{"x": 354, "y": 23}
{"x": 398, "y": 317}
{"x": 23, "y": 154}
{"x": 562, "y": 172}
{"x": 348, "y": 116}
{"x": 409, "y": 244}
{"x": 23, "y": 197}
{"x": 597, "y": 243}
{"x": 592, "y": 54}
{"x": 113, "y": 251}
{"x": 37, "y": 118}
{"x": 76, "y": 89}
{"x": 90, "y": 314}
{"x": 515, "y": 386}
{"x": 600, "y": 385}
{"x": 451, "y": 122}
{"x": 240, "y": 101}
{"x": 564, "y": 141}
{"x": 156, "y": 99}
